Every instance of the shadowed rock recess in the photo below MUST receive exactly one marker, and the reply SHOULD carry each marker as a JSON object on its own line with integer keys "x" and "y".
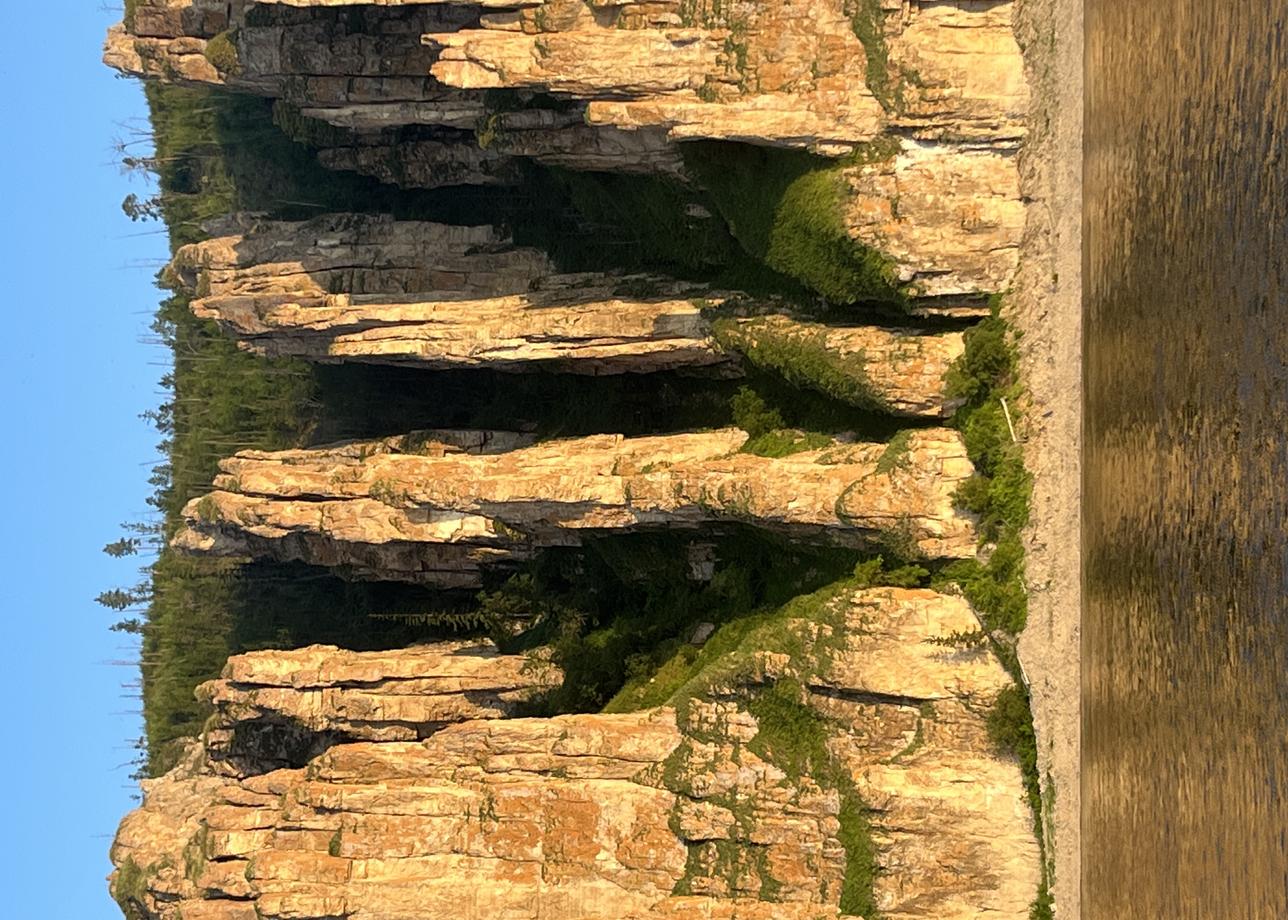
{"x": 832, "y": 757}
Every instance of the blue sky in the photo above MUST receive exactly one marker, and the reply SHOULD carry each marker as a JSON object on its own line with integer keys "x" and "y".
{"x": 77, "y": 298}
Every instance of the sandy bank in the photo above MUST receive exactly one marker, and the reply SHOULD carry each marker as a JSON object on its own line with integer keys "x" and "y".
{"x": 1047, "y": 309}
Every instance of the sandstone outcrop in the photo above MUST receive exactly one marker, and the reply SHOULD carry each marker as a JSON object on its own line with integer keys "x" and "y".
{"x": 619, "y": 86}
{"x": 352, "y": 287}
{"x": 691, "y": 811}
{"x": 439, "y": 519}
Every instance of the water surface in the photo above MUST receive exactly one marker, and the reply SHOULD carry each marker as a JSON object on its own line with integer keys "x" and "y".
{"x": 1185, "y": 634}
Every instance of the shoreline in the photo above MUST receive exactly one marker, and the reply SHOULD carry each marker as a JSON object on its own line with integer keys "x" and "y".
{"x": 1046, "y": 309}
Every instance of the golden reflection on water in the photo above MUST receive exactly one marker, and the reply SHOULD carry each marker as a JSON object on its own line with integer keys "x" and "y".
{"x": 1185, "y": 631}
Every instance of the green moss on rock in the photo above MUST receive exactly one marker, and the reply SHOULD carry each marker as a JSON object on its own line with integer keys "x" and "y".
{"x": 801, "y": 356}
{"x": 786, "y": 209}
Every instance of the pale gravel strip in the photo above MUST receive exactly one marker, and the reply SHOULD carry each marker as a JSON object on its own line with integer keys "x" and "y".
{"x": 1047, "y": 309}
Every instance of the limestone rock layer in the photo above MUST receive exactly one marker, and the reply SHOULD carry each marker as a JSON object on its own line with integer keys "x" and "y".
{"x": 803, "y": 73}
{"x": 677, "y": 812}
{"x": 415, "y": 784}
{"x": 352, "y": 287}
{"x": 440, "y": 519}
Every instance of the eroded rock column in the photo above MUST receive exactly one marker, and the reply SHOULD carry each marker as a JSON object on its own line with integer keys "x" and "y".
{"x": 918, "y": 105}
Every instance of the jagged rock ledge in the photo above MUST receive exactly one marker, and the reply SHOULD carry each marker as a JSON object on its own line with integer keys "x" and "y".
{"x": 436, "y": 516}
{"x": 686, "y": 812}
{"x": 276, "y": 709}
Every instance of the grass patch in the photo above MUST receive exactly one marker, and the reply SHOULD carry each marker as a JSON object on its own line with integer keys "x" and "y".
{"x": 621, "y": 612}
{"x": 791, "y": 735}
{"x": 868, "y": 21}
{"x": 786, "y": 209}
{"x": 129, "y": 890}
{"x": 194, "y": 853}
{"x": 785, "y": 442}
{"x": 682, "y": 670}
{"x": 895, "y": 455}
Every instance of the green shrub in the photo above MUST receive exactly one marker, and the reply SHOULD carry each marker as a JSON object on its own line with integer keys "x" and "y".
{"x": 785, "y": 442}
{"x": 221, "y": 52}
{"x": 752, "y": 415}
{"x": 764, "y": 426}
{"x": 130, "y": 888}
{"x": 1010, "y": 727}
{"x": 873, "y": 572}
{"x": 999, "y": 493}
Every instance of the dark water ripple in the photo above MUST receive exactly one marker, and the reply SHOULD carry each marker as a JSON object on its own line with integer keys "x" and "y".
{"x": 1185, "y": 635}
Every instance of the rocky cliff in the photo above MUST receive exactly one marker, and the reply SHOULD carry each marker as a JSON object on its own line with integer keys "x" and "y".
{"x": 740, "y": 797}
{"x": 418, "y": 514}
{"x": 854, "y": 162}
{"x": 354, "y": 287}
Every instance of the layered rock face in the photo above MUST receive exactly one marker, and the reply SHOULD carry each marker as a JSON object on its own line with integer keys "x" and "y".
{"x": 439, "y": 519}
{"x": 687, "y": 812}
{"x": 353, "y": 287}
{"x": 619, "y": 86}
{"x": 281, "y": 708}
{"x": 806, "y": 73}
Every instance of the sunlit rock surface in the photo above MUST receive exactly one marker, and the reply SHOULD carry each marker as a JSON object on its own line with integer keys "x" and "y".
{"x": 283, "y": 707}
